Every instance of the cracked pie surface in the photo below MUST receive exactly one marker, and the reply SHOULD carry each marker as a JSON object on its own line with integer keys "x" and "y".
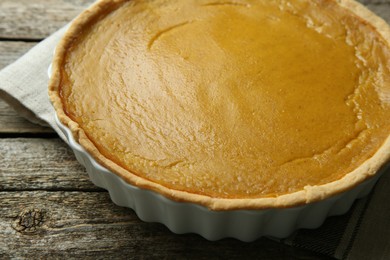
{"x": 229, "y": 104}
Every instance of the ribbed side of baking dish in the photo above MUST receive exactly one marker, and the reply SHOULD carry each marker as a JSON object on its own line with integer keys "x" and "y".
{"x": 245, "y": 225}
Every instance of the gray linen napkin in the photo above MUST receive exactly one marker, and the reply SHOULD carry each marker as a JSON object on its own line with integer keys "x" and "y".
{"x": 23, "y": 84}
{"x": 362, "y": 233}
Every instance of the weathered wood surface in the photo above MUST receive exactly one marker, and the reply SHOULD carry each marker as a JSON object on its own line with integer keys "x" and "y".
{"x": 12, "y": 50}
{"x": 13, "y": 124}
{"x": 48, "y": 207}
{"x": 79, "y": 224}
{"x": 40, "y": 164}
{"x": 36, "y": 19}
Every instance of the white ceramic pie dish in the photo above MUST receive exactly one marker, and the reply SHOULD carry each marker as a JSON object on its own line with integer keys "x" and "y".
{"x": 245, "y": 225}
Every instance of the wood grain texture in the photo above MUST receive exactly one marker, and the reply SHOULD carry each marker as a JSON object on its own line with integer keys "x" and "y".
{"x": 49, "y": 222}
{"x": 40, "y": 164}
{"x": 11, "y": 51}
{"x": 45, "y": 224}
{"x": 27, "y": 19}
{"x": 12, "y": 123}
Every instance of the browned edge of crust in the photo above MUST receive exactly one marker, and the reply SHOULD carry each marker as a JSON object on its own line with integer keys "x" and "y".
{"x": 308, "y": 195}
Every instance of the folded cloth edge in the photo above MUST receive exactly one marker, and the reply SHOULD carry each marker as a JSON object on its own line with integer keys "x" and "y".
{"x": 24, "y": 83}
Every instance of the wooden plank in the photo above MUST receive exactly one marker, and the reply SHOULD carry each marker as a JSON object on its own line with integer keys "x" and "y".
{"x": 71, "y": 220}
{"x": 45, "y": 224}
{"x": 40, "y": 164}
{"x": 11, "y": 51}
{"x": 26, "y": 19}
{"x": 12, "y": 123}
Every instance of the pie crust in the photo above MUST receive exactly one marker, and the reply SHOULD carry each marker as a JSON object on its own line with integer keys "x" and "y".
{"x": 308, "y": 194}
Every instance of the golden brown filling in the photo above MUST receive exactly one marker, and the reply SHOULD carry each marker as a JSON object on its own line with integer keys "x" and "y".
{"x": 232, "y": 99}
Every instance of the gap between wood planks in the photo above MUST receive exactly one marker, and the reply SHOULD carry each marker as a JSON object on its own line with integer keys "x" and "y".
{"x": 5, "y": 39}
{"x": 46, "y": 135}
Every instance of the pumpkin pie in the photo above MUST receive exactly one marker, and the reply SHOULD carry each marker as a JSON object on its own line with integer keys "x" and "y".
{"x": 240, "y": 104}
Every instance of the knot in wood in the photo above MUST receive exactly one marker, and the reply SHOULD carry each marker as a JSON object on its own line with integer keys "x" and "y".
{"x": 28, "y": 220}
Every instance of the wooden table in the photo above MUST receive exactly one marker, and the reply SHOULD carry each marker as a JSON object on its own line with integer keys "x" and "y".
{"x": 49, "y": 208}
